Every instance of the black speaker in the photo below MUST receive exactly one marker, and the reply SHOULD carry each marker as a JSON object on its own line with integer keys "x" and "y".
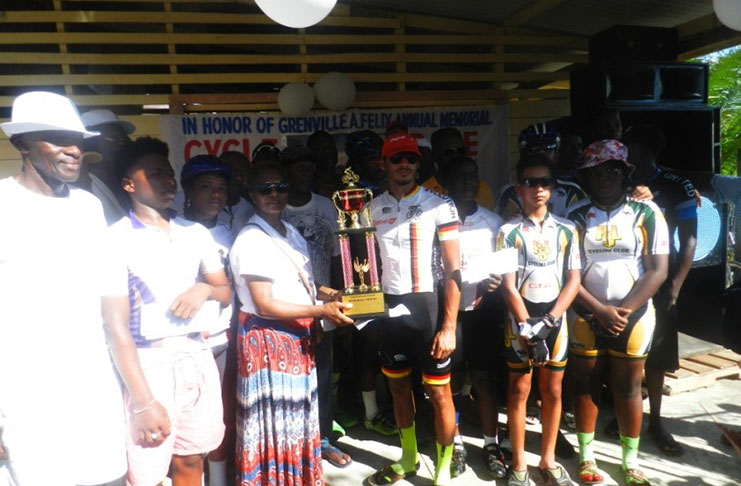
{"x": 597, "y": 87}
{"x": 633, "y": 43}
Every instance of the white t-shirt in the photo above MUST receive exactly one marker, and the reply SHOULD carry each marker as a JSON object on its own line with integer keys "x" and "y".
{"x": 233, "y": 217}
{"x": 58, "y": 387}
{"x": 477, "y": 235}
{"x": 111, "y": 207}
{"x": 316, "y": 221}
{"x": 160, "y": 266}
{"x": 269, "y": 255}
{"x": 224, "y": 240}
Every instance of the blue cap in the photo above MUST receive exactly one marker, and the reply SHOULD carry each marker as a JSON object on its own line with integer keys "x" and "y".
{"x": 204, "y": 164}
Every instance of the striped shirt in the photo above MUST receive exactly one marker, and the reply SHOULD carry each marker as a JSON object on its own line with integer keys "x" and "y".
{"x": 613, "y": 244}
{"x": 406, "y": 233}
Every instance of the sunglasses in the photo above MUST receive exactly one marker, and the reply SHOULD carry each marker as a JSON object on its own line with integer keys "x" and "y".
{"x": 538, "y": 181}
{"x": 409, "y": 157}
{"x": 267, "y": 188}
{"x": 459, "y": 150}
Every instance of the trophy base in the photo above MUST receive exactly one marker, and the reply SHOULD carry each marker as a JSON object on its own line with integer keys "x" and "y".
{"x": 365, "y": 305}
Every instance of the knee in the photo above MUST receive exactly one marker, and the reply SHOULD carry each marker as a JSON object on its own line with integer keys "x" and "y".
{"x": 519, "y": 388}
{"x": 192, "y": 464}
{"x": 627, "y": 387}
{"x": 551, "y": 392}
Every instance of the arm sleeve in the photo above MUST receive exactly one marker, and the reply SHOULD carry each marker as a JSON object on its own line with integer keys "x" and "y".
{"x": 253, "y": 254}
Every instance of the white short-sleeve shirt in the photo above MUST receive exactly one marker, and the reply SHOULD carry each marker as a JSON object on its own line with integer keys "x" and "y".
{"x": 58, "y": 386}
{"x": 266, "y": 253}
{"x": 161, "y": 265}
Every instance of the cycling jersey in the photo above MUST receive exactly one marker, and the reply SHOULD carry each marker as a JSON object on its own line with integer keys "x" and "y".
{"x": 544, "y": 254}
{"x": 613, "y": 244}
{"x": 563, "y": 195}
{"x": 675, "y": 196}
{"x": 406, "y": 232}
{"x": 477, "y": 238}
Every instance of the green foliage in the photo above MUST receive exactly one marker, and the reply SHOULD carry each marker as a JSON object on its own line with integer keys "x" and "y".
{"x": 724, "y": 90}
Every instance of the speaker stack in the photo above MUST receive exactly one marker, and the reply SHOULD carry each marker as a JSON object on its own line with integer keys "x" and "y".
{"x": 635, "y": 71}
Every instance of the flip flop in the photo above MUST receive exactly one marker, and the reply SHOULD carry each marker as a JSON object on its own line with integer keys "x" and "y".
{"x": 589, "y": 474}
{"x": 665, "y": 442}
{"x": 328, "y": 448}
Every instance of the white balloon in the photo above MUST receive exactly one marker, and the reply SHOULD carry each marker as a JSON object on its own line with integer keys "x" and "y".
{"x": 335, "y": 91}
{"x": 296, "y": 13}
{"x": 728, "y": 12}
{"x": 296, "y": 99}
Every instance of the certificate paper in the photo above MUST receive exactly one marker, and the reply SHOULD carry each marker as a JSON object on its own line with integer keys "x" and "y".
{"x": 158, "y": 322}
{"x": 499, "y": 262}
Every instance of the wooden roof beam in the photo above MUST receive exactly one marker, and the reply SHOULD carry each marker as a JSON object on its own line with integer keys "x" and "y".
{"x": 525, "y": 15}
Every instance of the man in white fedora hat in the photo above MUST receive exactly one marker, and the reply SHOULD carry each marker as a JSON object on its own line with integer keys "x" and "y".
{"x": 61, "y": 409}
{"x": 103, "y": 177}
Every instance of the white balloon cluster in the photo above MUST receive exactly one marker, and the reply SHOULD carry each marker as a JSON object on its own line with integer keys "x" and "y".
{"x": 335, "y": 91}
{"x": 296, "y": 13}
{"x": 728, "y": 12}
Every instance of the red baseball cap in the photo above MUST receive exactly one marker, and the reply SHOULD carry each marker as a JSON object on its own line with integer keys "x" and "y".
{"x": 398, "y": 143}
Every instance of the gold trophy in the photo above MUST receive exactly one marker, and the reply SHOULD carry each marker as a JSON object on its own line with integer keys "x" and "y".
{"x": 353, "y": 203}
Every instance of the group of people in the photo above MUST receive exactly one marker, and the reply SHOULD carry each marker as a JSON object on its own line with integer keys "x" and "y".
{"x": 152, "y": 330}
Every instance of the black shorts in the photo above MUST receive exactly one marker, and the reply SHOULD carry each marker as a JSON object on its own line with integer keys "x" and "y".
{"x": 406, "y": 341}
{"x": 482, "y": 328}
{"x": 664, "y": 353}
{"x": 518, "y": 359}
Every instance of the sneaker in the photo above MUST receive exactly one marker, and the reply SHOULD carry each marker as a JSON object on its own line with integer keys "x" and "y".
{"x": 569, "y": 420}
{"x": 494, "y": 460}
{"x": 458, "y": 463}
{"x": 563, "y": 479}
{"x": 381, "y": 424}
{"x": 513, "y": 481}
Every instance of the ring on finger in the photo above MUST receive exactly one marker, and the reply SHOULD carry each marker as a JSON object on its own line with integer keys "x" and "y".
{"x": 155, "y": 435}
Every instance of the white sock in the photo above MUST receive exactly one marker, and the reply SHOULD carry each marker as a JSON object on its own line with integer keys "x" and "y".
{"x": 369, "y": 401}
{"x": 490, "y": 440}
{"x": 466, "y": 389}
{"x": 458, "y": 439}
{"x": 216, "y": 473}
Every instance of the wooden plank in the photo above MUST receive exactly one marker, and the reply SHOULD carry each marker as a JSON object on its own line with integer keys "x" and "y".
{"x": 694, "y": 367}
{"x": 104, "y": 100}
{"x": 23, "y": 38}
{"x": 226, "y": 59}
{"x": 270, "y": 78}
{"x": 729, "y": 355}
{"x": 712, "y": 361}
{"x": 448, "y": 25}
{"x": 700, "y": 24}
{"x": 679, "y": 373}
{"x": 528, "y": 13}
{"x": 700, "y": 380}
{"x": 91, "y": 16}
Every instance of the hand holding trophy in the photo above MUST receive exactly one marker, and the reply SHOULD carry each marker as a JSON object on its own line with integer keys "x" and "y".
{"x": 354, "y": 202}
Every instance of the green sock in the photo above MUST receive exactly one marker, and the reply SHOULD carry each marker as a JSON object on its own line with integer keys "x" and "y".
{"x": 442, "y": 471}
{"x": 520, "y": 475}
{"x": 408, "y": 461}
{"x": 555, "y": 472}
{"x": 630, "y": 452}
{"x": 585, "y": 446}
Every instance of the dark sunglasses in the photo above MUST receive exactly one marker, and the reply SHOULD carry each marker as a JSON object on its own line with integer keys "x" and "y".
{"x": 538, "y": 181}
{"x": 459, "y": 150}
{"x": 409, "y": 157}
{"x": 267, "y": 188}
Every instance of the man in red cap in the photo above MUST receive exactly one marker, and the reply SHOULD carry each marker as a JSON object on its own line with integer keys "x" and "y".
{"x": 408, "y": 219}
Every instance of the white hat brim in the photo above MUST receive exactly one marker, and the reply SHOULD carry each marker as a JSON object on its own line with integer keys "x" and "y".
{"x": 127, "y": 127}
{"x": 17, "y": 128}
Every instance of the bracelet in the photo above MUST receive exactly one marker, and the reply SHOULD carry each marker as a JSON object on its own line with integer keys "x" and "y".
{"x": 145, "y": 407}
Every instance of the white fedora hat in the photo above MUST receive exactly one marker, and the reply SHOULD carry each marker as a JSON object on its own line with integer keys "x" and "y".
{"x": 39, "y": 111}
{"x": 95, "y": 118}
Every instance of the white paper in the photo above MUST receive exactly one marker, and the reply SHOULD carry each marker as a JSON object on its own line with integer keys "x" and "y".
{"x": 499, "y": 262}
{"x": 398, "y": 311}
{"x": 158, "y": 322}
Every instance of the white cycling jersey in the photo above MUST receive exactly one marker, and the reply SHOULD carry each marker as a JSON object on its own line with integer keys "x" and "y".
{"x": 406, "y": 233}
{"x": 544, "y": 254}
{"x": 613, "y": 245}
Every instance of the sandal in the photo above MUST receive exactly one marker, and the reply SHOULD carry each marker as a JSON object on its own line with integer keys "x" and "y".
{"x": 328, "y": 449}
{"x": 458, "y": 461}
{"x": 665, "y": 441}
{"x": 589, "y": 474}
{"x": 636, "y": 477}
{"x": 388, "y": 476}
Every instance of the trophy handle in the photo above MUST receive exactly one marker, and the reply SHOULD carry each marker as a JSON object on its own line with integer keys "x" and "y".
{"x": 341, "y": 216}
{"x": 366, "y": 208}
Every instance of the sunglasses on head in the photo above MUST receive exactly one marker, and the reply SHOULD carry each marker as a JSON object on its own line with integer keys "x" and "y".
{"x": 410, "y": 157}
{"x": 459, "y": 150}
{"x": 267, "y": 188}
{"x": 537, "y": 181}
